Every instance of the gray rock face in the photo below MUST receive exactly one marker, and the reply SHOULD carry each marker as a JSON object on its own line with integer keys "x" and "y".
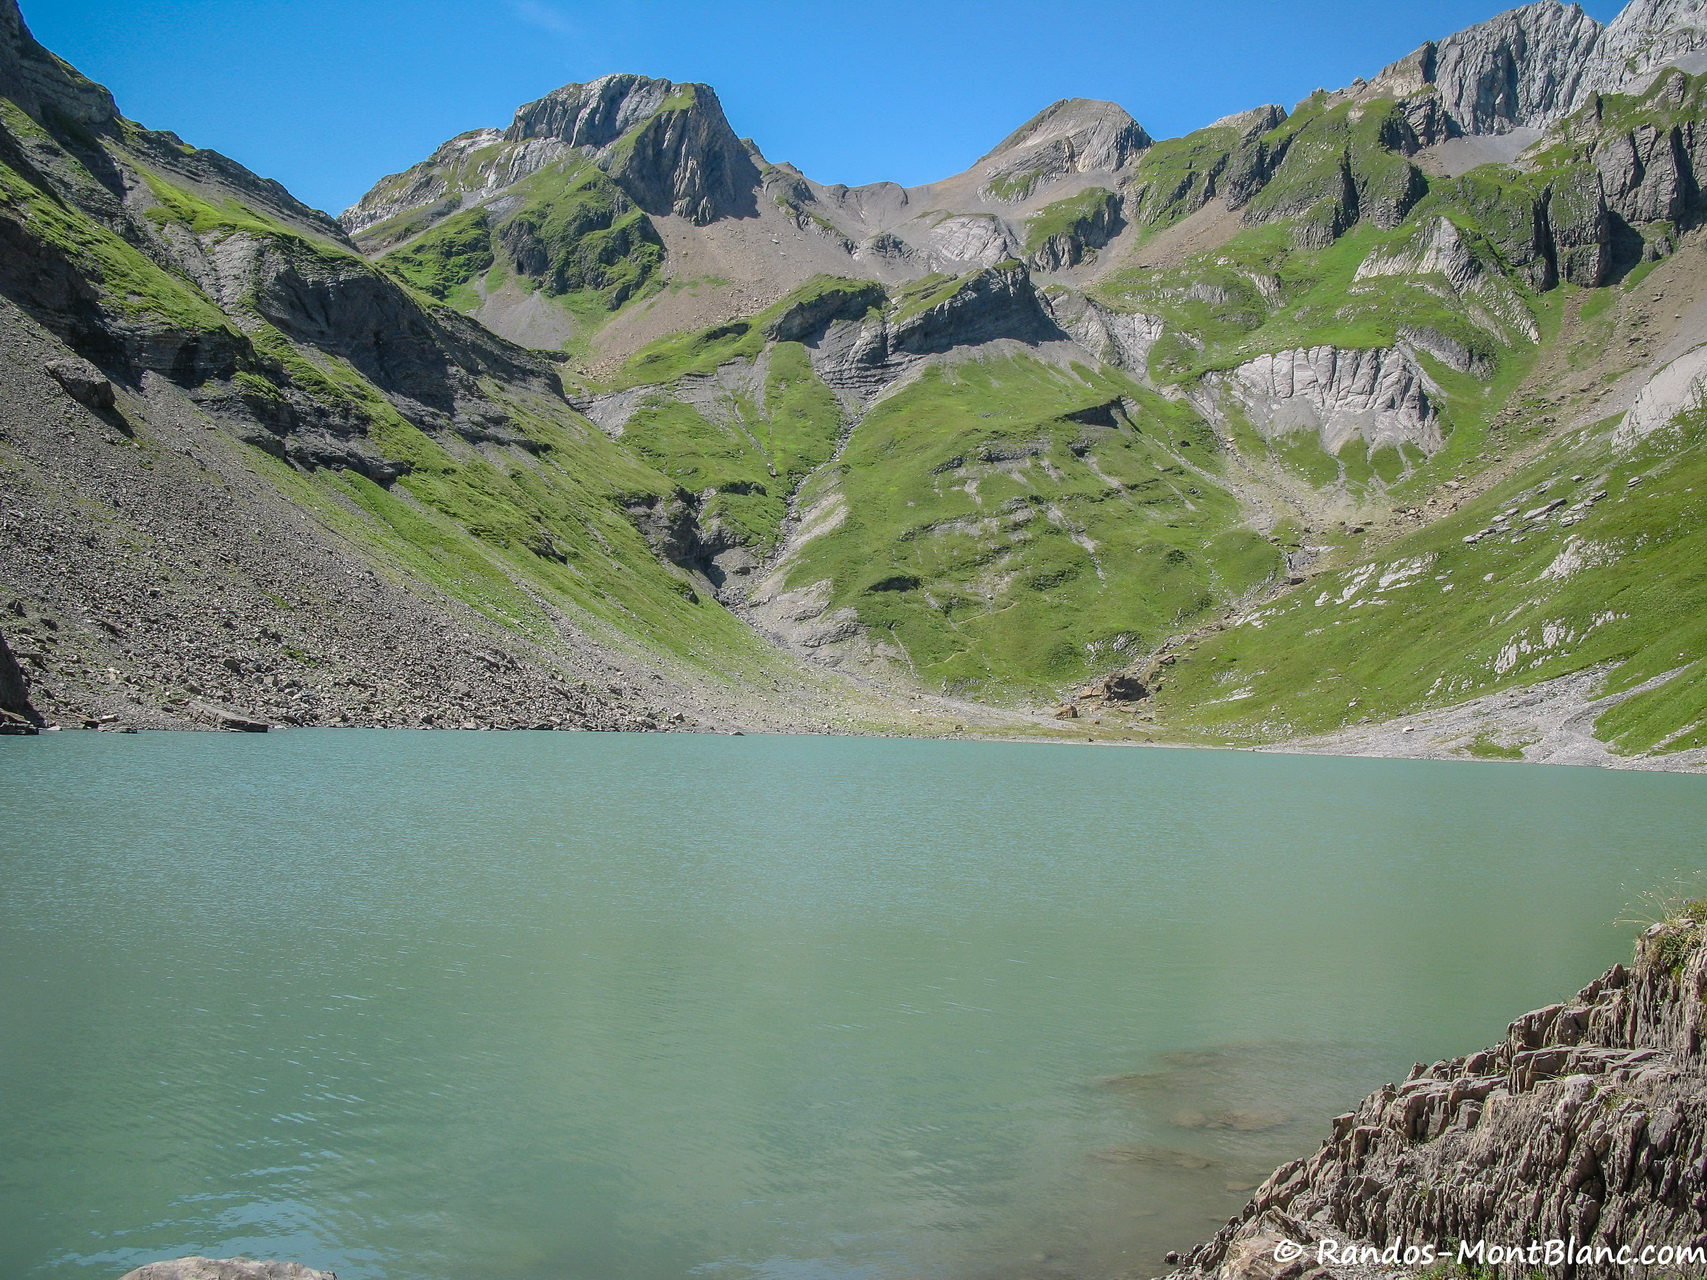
{"x": 1524, "y": 67}
{"x": 967, "y": 240}
{"x": 682, "y": 158}
{"x": 810, "y": 318}
{"x": 1589, "y": 1123}
{"x": 83, "y": 382}
{"x": 863, "y": 355}
{"x": 1645, "y": 37}
{"x": 226, "y": 1269}
{"x": 1382, "y": 396}
{"x": 1680, "y": 387}
{"x": 1646, "y": 174}
{"x": 1090, "y": 231}
{"x": 592, "y": 115}
{"x": 1122, "y": 338}
{"x": 35, "y": 79}
{"x": 995, "y": 303}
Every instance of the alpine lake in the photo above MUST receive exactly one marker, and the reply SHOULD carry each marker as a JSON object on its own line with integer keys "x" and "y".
{"x": 480, "y": 1006}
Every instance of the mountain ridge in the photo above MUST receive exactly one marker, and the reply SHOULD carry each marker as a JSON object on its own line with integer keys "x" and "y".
{"x": 1062, "y": 444}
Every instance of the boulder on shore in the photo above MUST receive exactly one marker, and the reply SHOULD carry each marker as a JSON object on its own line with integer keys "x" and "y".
{"x": 16, "y": 713}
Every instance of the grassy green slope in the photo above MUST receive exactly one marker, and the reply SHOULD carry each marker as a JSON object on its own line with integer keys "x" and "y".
{"x": 751, "y": 457}
{"x": 1015, "y": 530}
{"x": 1429, "y": 619}
{"x": 1433, "y": 620}
{"x": 510, "y": 532}
{"x": 567, "y": 233}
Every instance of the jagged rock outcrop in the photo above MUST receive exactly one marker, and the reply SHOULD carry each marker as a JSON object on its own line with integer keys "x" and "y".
{"x": 1588, "y": 1123}
{"x": 36, "y": 79}
{"x": 865, "y": 356}
{"x": 811, "y": 316}
{"x": 995, "y": 303}
{"x": 667, "y": 146}
{"x": 1440, "y": 251}
{"x": 1647, "y": 174}
{"x": 959, "y": 241}
{"x": 1234, "y": 175}
{"x": 1521, "y": 68}
{"x": 1382, "y": 396}
{"x": 1075, "y": 135}
{"x": 672, "y": 529}
{"x": 1680, "y": 387}
{"x": 225, "y": 1269}
{"x": 1122, "y": 338}
{"x": 1533, "y": 64}
{"x": 1646, "y": 36}
{"x": 1582, "y": 229}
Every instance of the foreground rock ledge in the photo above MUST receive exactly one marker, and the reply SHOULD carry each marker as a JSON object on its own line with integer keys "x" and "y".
{"x": 1588, "y": 1124}
{"x": 226, "y": 1269}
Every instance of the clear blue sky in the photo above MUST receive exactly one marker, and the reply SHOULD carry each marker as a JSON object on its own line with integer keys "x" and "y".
{"x": 329, "y": 95}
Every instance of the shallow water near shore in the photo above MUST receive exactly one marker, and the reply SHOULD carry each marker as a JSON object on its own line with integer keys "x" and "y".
{"x": 444, "y": 1006}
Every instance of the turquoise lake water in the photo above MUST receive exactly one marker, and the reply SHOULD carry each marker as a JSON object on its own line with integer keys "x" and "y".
{"x": 472, "y": 1006}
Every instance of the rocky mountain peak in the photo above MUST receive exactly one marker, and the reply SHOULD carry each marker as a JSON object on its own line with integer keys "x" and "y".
{"x": 596, "y": 114}
{"x": 1256, "y": 120}
{"x": 1101, "y": 134}
{"x": 668, "y": 146}
{"x": 1074, "y": 135}
{"x": 1528, "y": 66}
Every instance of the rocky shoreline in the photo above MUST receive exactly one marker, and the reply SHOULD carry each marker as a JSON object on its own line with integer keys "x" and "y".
{"x": 1587, "y": 1124}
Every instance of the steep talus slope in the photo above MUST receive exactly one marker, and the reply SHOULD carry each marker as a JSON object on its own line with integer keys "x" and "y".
{"x": 1586, "y": 1124}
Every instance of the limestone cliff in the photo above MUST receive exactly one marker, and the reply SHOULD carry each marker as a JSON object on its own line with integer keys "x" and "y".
{"x": 1074, "y": 135}
{"x": 1382, "y": 397}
